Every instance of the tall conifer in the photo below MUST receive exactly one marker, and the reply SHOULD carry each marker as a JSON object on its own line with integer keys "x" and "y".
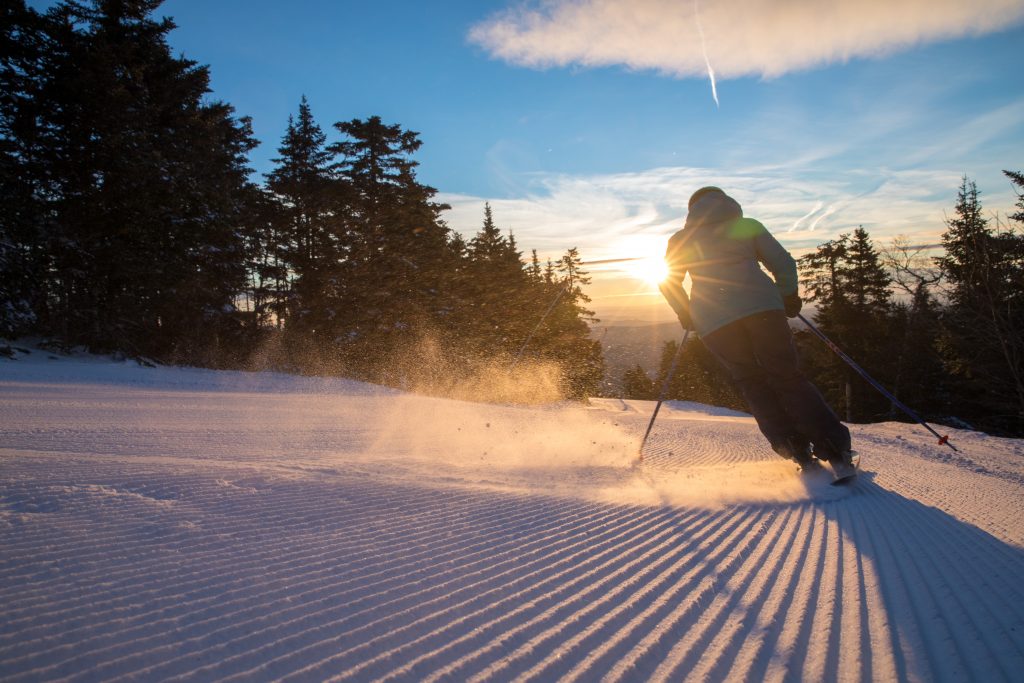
{"x": 306, "y": 225}
{"x": 395, "y": 270}
{"x": 136, "y": 181}
{"x": 985, "y": 320}
{"x": 847, "y": 281}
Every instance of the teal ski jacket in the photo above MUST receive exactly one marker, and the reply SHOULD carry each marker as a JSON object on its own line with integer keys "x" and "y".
{"x": 723, "y": 253}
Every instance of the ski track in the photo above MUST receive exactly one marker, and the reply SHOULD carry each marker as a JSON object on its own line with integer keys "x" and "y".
{"x": 173, "y": 529}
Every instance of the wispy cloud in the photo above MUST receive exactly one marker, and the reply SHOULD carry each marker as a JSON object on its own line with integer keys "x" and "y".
{"x": 965, "y": 139}
{"x": 604, "y": 215}
{"x": 740, "y": 37}
{"x": 631, "y": 215}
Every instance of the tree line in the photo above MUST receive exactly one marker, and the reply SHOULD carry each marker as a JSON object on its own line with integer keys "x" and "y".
{"x": 945, "y": 334}
{"x": 132, "y": 223}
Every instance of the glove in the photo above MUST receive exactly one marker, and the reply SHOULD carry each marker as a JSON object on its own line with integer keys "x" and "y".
{"x": 792, "y": 303}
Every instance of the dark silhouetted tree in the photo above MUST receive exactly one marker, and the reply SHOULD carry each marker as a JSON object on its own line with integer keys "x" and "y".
{"x": 699, "y": 377}
{"x": 984, "y": 323}
{"x": 637, "y": 384}
{"x": 131, "y": 182}
{"x": 849, "y": 284}
{"x": 498, "y": 292}
{"x": 393, "y": 279}
{"x": 306, "y": 240}
{"x": 919, "y": 379}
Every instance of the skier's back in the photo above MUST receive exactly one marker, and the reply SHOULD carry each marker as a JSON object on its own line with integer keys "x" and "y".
{"x": 740, "y": 314}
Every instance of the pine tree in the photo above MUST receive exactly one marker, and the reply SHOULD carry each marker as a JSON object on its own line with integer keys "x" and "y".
{"x": 499, "y": 292}
{"x": 1017, "y": 180}
{"x": 566, "y": 337}
{"x": 395, "y": 273}
{"x": 309, "y": 243}
{"x": 637, "y": 384}
{"x": 985, "y": 322}
{"x": 534, "y": 270}
{"x": 970, "y": 257}
{"x": 22, "y": 265}
{"x": 699, "y": 377}
{"x": 849, "y": 284}
{"x": 489, "y": 245}
{"x": 919, "y": 379}
{"x": 136, "y": 182}
{"x": 267, "y": 292}
{"x": 868, "y": 280}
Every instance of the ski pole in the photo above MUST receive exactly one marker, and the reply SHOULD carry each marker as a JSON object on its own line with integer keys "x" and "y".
{"x": 664, "y": 391}
{"x": 943, "y": 440}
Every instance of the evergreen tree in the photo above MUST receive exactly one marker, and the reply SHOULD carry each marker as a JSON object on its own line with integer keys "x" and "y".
{"x": 489, "y": 245}
{"x": 536, "y": 274}
{"x": 498, "y": 289}
{"x": 22, "y": 54}
{"x": 637, "y": 384}
{"x": 306, "y": 242}
{"x": 699, "y": 377}
{"x": 267, "y": 292}
{"x": 1017, "y": 180}
{"x": 398, "y": 257}
{"x": 985, "y": 321}
{"x": 134, "y": 184}
{"x": 849, "y": 284}
{"x": 823, "y": 282}
{"x": 565, "y": 337}
{"x": 868, "y": 280}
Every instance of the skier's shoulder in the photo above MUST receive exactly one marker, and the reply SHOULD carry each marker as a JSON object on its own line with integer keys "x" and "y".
{"x": 676, "y": 245}
{"x": 678, "y": 237}
{"x": 746, "y": 229}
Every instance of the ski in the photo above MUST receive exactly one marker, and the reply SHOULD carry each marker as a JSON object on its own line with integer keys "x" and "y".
{"x": 846, "y": 473}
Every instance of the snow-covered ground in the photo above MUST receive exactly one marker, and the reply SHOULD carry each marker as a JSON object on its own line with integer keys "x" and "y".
{"x": 161, "y": 523}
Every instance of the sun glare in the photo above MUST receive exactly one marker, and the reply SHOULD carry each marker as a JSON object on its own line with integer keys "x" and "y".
{"x": 651, "y": 269}
{"x": 643, "y": 259}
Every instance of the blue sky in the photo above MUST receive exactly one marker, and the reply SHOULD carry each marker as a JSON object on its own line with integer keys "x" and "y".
{"x": 588, "y": 123}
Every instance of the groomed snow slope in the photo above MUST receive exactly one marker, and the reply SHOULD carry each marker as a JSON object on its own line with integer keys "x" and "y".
{"x": 160, "y": 524}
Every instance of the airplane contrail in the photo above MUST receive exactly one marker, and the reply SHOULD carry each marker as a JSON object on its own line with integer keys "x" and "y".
{"x": 704, "y": 49}
{"x": 810, "y": 213}
{"x": 828, "y": 212}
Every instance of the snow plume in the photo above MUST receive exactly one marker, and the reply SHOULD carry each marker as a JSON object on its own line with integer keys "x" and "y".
{"x": 698, "y": 456}
{"x": 425, "y": 365}
{"x": 586, "y": 452}
{"x": 718, "y": 486}
{"x": 428, "y": 367}
{"x": 545, "y": 450}
{"x": 748, "y": 37}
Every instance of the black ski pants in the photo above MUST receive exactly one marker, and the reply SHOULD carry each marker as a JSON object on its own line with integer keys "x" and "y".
{"x": 759, "y": 353}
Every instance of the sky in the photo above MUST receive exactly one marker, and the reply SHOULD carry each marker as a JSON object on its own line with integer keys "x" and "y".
{"x": 588, "y": 123}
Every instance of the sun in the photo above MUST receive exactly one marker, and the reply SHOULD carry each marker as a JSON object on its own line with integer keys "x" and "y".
{"x": 652, "y": 270}
{"x": 655, "y": 270}
{"x": 641, "y": 258}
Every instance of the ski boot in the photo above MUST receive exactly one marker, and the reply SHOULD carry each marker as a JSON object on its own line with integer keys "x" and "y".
{"x": 845, "y": 467}
{"x": 800, "y": 453}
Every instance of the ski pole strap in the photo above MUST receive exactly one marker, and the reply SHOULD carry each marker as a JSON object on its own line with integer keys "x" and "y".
{"x": 943, "y": 440}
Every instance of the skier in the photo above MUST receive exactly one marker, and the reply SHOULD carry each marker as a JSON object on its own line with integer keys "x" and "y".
{"x": 740, "y": 313}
